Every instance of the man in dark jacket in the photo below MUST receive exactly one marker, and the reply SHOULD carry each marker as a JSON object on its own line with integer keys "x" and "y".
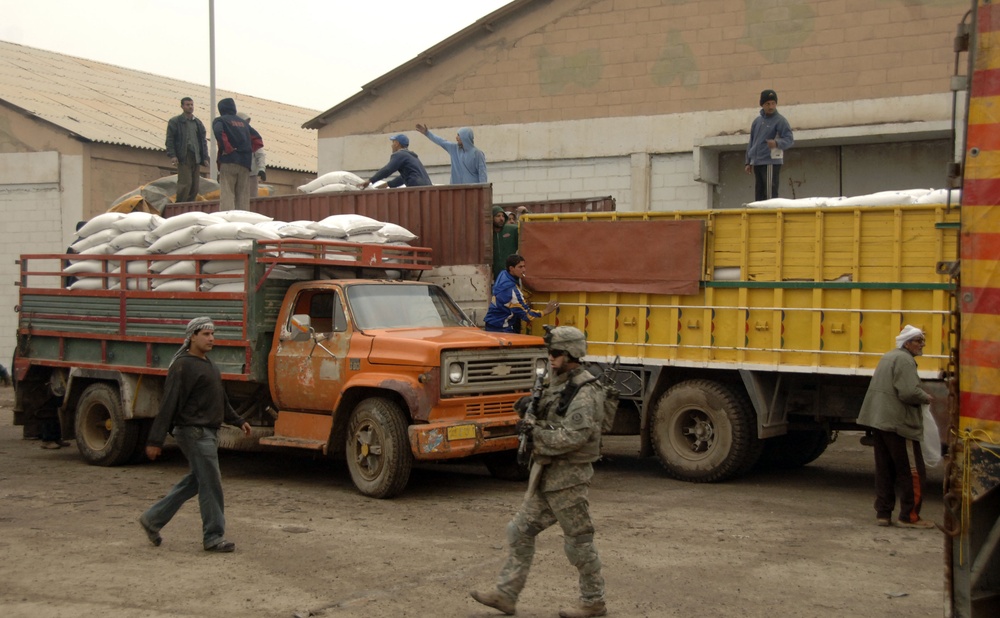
{"x": 236, "y": 140}
{"x": 193, "y": 407}
{"x": 187, "y": 149}
{"x": 411, "y": 170}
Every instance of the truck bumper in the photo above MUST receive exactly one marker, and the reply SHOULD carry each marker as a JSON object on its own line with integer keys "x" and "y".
{"x": 452, "y": 440}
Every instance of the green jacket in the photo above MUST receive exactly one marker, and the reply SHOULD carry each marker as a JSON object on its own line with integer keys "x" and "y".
{"x": 894, "y": 396}
{"x": 504, "y": 245}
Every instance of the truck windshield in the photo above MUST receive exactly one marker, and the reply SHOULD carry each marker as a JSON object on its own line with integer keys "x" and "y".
{"x": 403, "y": 306}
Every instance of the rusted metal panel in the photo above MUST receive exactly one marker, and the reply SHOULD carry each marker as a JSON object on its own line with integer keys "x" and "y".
{"x": 590, "y": 204}
{"x": 454, "y": 221}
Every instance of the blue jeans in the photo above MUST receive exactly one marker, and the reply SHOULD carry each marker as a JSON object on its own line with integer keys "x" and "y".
{"x": 201, "y": 447}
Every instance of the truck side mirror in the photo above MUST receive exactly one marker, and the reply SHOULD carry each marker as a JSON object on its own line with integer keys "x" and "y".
{"x": 301, "y": 327}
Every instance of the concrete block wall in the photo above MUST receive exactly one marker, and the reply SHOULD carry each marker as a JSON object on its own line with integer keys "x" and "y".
{"x": 673, "y": 186}
{"x": 562, "y": 179}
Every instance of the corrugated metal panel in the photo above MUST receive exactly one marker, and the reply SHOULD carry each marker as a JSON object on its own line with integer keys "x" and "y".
{"x": 590, "y": 204}
{"x": 454, "y": 221}
{"x": 86, "y": 98}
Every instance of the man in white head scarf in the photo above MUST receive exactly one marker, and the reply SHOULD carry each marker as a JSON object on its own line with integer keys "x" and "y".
{"x": 892, "y": 409}
{"x": 193, "y": 407}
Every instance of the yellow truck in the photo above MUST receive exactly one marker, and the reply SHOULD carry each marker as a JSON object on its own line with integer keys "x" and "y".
{"x": 747, "y": 335}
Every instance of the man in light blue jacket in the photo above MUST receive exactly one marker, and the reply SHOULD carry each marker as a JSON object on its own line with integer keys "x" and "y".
{"x": 468, "y": 163}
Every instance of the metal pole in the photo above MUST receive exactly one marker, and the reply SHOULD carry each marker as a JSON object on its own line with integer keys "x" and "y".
{"x": 213, "y": 174}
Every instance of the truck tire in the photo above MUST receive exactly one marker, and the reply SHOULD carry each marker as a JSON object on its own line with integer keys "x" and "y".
{"x": 704, "y": 432}
{"x": 794, "y": 449}
{"x": 378, "y": 450}
{"x": 103, "y": 435}
{"x": 504, "y": 466}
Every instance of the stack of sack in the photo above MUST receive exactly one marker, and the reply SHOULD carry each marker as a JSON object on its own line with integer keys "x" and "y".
{"x": 334, "y": 182}
{"x": 197, "y": 233}
{"x": 882, "y": 198}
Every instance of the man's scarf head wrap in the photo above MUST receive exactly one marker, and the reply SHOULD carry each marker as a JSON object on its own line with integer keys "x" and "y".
{"x": 908, "y": 332}
{"x": 195, "y": 325}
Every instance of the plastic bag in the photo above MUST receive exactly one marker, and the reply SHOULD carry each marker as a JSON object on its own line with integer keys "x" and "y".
{"x": 930, "y": 446}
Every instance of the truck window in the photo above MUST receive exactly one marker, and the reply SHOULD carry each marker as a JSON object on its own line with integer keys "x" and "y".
{"x": 403, "y": 306}
{"x": 326, "y": 312}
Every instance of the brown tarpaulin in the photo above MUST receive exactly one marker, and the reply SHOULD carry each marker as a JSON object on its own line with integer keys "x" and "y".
{"x": 652, "y": 257}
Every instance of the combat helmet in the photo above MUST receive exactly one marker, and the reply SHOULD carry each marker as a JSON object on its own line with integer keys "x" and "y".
{"x": 567, "y": 338}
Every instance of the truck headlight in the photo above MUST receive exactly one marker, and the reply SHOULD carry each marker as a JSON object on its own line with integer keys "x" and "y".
{"x": 541, "y": 364}
{"x": 456, "y": 372}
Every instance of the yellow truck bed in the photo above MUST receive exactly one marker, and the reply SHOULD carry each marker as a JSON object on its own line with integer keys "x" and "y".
{"x": 795, "y": 290}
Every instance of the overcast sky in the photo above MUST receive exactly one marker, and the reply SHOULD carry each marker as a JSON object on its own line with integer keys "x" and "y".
{"x": 311, "y": 53}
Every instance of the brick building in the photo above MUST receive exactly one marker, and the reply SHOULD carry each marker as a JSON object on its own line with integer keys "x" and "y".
{"x": 651, "y": 100}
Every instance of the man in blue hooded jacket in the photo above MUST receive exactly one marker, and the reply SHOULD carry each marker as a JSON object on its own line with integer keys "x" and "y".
{"x": 770, "y": 137}
{"x": 468, "y": 163}
{"x": 236, "y": 140}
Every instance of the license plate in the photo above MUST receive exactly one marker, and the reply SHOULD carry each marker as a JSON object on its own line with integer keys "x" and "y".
{"x": 462, "y": 432}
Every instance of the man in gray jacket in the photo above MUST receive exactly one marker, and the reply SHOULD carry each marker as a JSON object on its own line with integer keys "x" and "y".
{"x": 188, "y": 150}
{"x": 892, "y": 409}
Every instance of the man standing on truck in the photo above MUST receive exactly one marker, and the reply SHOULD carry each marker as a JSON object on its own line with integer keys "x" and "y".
{"x": 407, "y": 163}
{"x": 892, "y": 409}
{"x": 507, "y": 305}
{"x": 193, "y": 408}
{"x": 237, "y": 141}
{"x": 468, "y": 163}
{"x": 567, "y": 438}
{"x": 770, "y": 137}
{"x": 187, "y": 149}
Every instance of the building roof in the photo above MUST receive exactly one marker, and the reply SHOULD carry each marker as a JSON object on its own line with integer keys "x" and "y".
{"x": 87, "y": 99}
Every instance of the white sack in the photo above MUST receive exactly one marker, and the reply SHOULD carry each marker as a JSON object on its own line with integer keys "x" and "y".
{"x": 98, "y": 224}
{"x": 184, "y": 220}
{"x": 331, "y": 178}
{"x": 138, "y": 221}
{"x": 396, "y": 233}
{"x": 242, "y": 216}
{"x": 176, "y": 239}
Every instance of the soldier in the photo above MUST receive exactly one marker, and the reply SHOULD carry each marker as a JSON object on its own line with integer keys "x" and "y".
{"x": 566, "y": 436}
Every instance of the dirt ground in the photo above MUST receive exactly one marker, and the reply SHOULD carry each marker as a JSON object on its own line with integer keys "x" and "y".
{"x": 778, "y": 543}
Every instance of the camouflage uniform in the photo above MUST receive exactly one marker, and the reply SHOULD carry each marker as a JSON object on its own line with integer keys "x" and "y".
{"x": 566, "y": 445}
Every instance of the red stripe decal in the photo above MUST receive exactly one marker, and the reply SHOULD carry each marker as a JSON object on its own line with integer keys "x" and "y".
{"x": 986, "y": 83}
{"x": 982, "y": 301}
{"x": 979, "y": 353}
{"x": 987, "y": 19}
{"x": 984, "y": 136}
{"x": 976, "y": 405}
{"x": 981, "y": 246}
{"x": 981, "y": 192}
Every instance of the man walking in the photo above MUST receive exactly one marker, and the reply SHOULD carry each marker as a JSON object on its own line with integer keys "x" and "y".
{"x": 187, "y": 149}
{"x": 193, "y": 408}
{"x": 236, "y": 140}
{"x": 567, "y": 438}
{"x": 892, "y": 409}
{"x": 770, "y": 137}
{"x": 411, "y": 170}
{"x": 468, "y": 163}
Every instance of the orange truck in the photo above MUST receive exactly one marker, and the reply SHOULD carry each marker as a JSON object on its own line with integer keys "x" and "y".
{"x": 360, "y": 359}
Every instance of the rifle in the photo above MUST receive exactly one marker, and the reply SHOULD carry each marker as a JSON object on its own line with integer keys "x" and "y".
{"x": 524, "y": 434}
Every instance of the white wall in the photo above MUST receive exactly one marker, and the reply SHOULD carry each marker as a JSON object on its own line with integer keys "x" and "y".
{"x": 663, "y": 162}
{"x": 41, "y": 198}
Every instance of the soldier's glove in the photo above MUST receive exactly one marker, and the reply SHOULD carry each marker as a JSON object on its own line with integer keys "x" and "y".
{"x": 262, "y": 175}
{"x": 524, "y": 425}
{"x": 521, "y": 405}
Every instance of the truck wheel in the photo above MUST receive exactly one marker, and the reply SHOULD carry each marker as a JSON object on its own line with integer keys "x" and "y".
{"x": 504, "y": 466}
{"x": 103, "y": 435}
{"x": 378, "y": 450}
{"x": 795, "y": 449}
{"x": 704, "y": 432}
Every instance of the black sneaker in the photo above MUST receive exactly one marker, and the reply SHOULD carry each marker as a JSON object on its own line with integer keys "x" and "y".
{"x": 223, "y": 547}
{"x": 154, "y": 537}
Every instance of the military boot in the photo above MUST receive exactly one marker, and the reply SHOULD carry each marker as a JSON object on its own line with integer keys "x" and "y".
{"x": 584, "y": 610}
{"x": 498, "y": 600}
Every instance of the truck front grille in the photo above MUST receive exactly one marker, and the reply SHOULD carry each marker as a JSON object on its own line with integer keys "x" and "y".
{"x": 490, "y": 371}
